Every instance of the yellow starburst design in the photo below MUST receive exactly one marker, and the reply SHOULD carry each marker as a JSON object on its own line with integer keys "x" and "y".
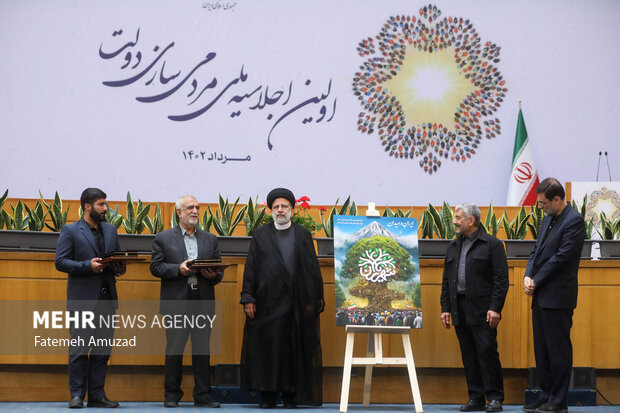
{"x": 429, "y": 87}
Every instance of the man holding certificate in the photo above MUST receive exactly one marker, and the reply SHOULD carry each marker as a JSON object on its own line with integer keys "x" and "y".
{"x": 185, "y": 288}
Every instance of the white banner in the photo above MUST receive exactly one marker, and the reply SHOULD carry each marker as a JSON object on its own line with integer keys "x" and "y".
{"x": 395, "y": 102}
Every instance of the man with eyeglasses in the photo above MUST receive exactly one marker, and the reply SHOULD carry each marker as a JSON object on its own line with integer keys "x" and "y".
{"x": 551, "y": 279}
{"x": 186, "y": 290}
{"x": 282, "y": 297}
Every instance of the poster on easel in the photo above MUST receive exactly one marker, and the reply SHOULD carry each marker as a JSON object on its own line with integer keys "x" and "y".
{"x": 377, "y": 271}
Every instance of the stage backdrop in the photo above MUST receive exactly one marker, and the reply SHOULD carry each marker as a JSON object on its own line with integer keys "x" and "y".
{"x": 398, "y": 102}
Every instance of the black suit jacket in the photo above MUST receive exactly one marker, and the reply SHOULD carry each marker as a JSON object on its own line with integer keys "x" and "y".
{"x": 169, "y": 252}
{"x": 554, "y": 262}
{"x": 486, "y": 282}
{"x": 75, "y": 248}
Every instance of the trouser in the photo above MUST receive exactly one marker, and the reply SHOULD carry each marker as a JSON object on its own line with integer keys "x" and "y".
{"x": 553, "y": 351}
{"x": 176, "y": 338}
{"x": 483, "y": 369}
{"x": 88, "y": 363}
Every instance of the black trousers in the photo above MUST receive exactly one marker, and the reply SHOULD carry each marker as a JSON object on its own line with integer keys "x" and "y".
{"x": 553, "y": 351}
{"x": 176, "y": 338}
{"x": 88, "y": 363}
{"x": 483, "y": 369}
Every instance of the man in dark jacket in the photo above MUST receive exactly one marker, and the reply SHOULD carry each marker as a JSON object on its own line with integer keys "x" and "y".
{"x": 282, "y": 296}
{"x": 551, "y": 278}
{"x": 91, "y": 287}
{"x": 186, "y": 290}
{"x": 473, "y": 291}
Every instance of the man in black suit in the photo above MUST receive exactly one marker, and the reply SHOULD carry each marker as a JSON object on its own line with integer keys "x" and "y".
{"x": 173, "y": 250}
{"x": 551, "y": 278}
{"x": 473, "y": 291}
{"x": 92, "y": 287}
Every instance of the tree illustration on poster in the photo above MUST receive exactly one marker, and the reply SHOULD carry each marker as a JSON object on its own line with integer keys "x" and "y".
{"x": 377, "y": 261}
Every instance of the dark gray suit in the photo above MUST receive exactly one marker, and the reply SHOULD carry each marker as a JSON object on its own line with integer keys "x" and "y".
{"x": 553, "y": 266}
{"x": 168, "y": 253}
{"x": 75, "y": 248}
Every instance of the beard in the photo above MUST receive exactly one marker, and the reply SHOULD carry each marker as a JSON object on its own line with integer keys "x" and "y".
{"x": 282, "y": 218}
{"x": 97, "y": 217}
{"x": 190, "y": 221}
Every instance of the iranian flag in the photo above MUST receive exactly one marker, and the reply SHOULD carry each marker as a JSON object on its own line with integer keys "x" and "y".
{"x": 523, "y": 177}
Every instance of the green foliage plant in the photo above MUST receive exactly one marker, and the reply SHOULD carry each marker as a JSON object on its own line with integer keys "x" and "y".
{"x": 156, "y": 225}
{"x": 19, "y": 221}
{"x": 174, "y": 219}
{"x": 226, "y": 223}
{"x": 57, "y": 215}
{"x": 113, "y": 217}
{"x": 396, "y": 214}
{"x": 3, "y": 215}
{"x": 135, "y": 221}
{"x": 610, "y": 229}
{"x": 255, "y": 216}
{"x": 517, "y": 228}
{"x": 583, "y": 210}
{"x": 438, "y": 223}
{"x": 348, "y": 208}
{"x": 536, "y": 215}
{"x": 36, "y": 217}
{"x": 491, "y": 223}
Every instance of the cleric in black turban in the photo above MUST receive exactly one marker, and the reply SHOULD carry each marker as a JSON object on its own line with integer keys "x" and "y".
{"x": 282, "y": 297}
{"x": 280, "y": 193}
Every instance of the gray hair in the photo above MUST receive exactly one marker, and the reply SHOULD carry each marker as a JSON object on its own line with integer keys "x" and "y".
{"x": 470, "y": 210}
{"x": 179, "y": 203}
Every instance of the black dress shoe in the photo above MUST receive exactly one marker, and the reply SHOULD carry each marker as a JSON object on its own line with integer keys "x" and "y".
{"x": 208, "y": 403}
{"x": 105, "y": 402}
{"x": 494, "y": 406}
{"x": 550, "y": 407}
{"x": 533, "y": 406}
{"x": 76, "y": 403}
{"x": 288, "y": 400}
{"x": 473, "y": 406}
{"x": 171, "y": 403}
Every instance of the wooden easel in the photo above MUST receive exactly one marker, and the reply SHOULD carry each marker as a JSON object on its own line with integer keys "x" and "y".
{"x": 375, "y": 358}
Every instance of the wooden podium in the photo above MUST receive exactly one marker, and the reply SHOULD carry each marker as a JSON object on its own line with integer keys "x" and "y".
{"x": 375, "y": 357}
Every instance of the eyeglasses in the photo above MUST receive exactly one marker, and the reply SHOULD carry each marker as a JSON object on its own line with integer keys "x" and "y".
{"x": 544, "y": 202}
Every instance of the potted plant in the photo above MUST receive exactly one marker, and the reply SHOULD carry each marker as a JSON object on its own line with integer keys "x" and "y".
{"x": 517, "y": 247}
{"x": 224, "y": 221}
{"x": 491, "y": 223}
{"x": 325, "y": 246}
{"x": 609, "y": 232}
{"x": 439, "y": 224}
{"x": 135, "y": 223}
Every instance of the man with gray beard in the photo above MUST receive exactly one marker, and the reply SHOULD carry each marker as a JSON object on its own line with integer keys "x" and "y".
{"x": 282, "y": 296}
{"x": 186, "y": 290}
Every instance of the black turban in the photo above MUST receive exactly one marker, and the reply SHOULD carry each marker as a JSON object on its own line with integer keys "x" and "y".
{"x": 280, "y": 193}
